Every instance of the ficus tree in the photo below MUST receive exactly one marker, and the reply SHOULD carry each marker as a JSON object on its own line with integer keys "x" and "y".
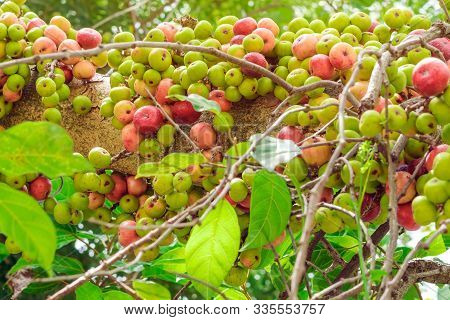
{"x": 233, "y": 159}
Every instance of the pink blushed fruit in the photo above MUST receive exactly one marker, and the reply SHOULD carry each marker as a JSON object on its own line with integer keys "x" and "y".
{"x": 35, "y": 22}
{"x": 55, "y": 34}
{"x": 169, "y": 29}
{"x": 321, "y": 67}
{"x": 162, "y": 91}
{"x": 342, "y": 56}
{"x": 124, "y": 111}
{"x": 148, "y": 119}
{"x": 11, "y": 96}
{"x": 40, "y": 188}
{"x": 84, "y": 70}
{"x": 219, "y": 97}
{"x": 256, "y": 58}
{"x": 245, "y": 26}
{"x": 43, "y": 45}
{"x": 268, "y": 38}
{"x": 120, "y": 188}
{"x": 69, "y": 45}
{"x": 136, "y": 187}
{"x": 402, "y": 178}
{"x": 430, "y": 76}
{"x": 270, "y": 25}
{"x": 89, "y": 38}
{"x": 203, "y": 135}
{"x": 290, "y": 133}
{"x": 443, "y": 45}
{"x": 304, "y": 46}
{"x": 130, "y": 138}
{"x": 237, "y": 39}
{"x": 96, "y": 200}
{"x": 127, "y": 233}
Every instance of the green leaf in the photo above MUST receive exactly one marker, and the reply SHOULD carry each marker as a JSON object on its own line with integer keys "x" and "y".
{"x": 377, "y": 275}
{"x": 39, "y": 147}
{"x": 3, "y": 252}
{"x": 67, "y": 265}
{"x": 344, "y": 241}
{"x": 436, "y": 247}
{"x": 149, "y": 290}
{"x": 116, "y": 295}
{"x": 172, "y": 261}
{"x": 270, "y": 151}
{"x": 231, "y": 294}
{"x": 199, "y": 103}
{"x": 171, "y": 163}
{"x": 24, "y": 221}
{"x": 89, "y": 291}
{"x": 213, "y": 247}
{"x": 444, "y": 293}
{"x": 270, "y": 208}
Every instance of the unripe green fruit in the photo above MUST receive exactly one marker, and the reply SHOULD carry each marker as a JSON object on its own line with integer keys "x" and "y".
{"x": 223, "y": 122}
{"x": 155, "y": 35}
{"x": 234, "y": 77}
{"x": 129, "y": 203}
{"x": 120, "y": 93}
{"x": 15, "y": 82}
{"x": 79, "y": 201}
{"x": 147, "y": 255}
{"x": 424, "y": 211}
{"x": 63, "y": 92}
{"x": 216, "y": 75}
{"x": 440, "y": 109}
{"x": 125, "y": 67}
{"x": 445, "y": 134}
{"x": 232, "y": 94}
{"x": 107, "y": 108}
{"x": 89, "y": 182}
{"x": 198, "y": 88}
{"x": 265, "y": 86}
{"x": 248, "y": 175}
{"x": 296, "y": 167}
{"x": 370, "y": 123}
{"x": 237, "y": 276}
{"x": 160, "y": 59}
{"x": 52, "y": 115}
{"x": 151, "y": 77}
{"x": 182, "y": 181}
{"x": 253, "y": 43}
{"x": 16, "y": 182}
{"x": 45, "y": 87}
{"x": 62, "y": 213}
{"x": 51, "y": 101}
{"x": 356, "y": 169}
{"x": 166, "y": 135}
{"x": 426, "y": 123}
{"x": 184, "y": 35}
{"x": 82, "y": 104}
{"x": 421, "y": 181}
{"x": 149, "y": 148}
{"x": 49, "y": 205}
{"x": 203, "y": 30}
{"x": 154, "y": 207}
{"x": 12, "y": 247}
{"x": 76, "y": 217}
{"x": 163, "y": 184}
{"x": 106, "y": 184}
{"x": 116, "y": 79}
{"x": 143, "y": 226}
{"x": 436, "y": 190}
{"x": 102, "y": 214}
{"x": 224, "y": 33}
{"x": 99, "y": 158}
{"x": 327, "y": 220}
{"x": 441, "y": 165}
{"x": 397, "y": 117}
{"x": 238, "y": 190}
{"x": 197, "y": 70}
{"x": 248, "y": 87}
{"x": 176, "y": 200}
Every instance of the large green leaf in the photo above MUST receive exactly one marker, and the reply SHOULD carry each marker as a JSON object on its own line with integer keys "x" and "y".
{"x": 171, "y": 261}
{"x": 116, "y": 295}
{"x": 67, "y": 265}
{"x": 89, "y": 291}
{"x": 148, "y": 290}
{"x": 39, "y": 147}
{"x": 213, "y": 247}
{"x": 270, "y": 151}
{"x": 24, "y": 221}
{"x": 3, "y": 252}
{"x": 171, "y": 163}
{"x": 270, "y": 208}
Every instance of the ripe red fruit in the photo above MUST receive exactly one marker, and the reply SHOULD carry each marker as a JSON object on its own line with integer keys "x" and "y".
{"x": 373, "y": 25}
{"x": 130, "y": 137}
{"x": 246, "y": 202}
{"x": 443, "y": 45}
{"x": 245, "y": 26}
{"x": 433, "y": 153}
{"x": 237, "y": 39}
{"x": 370, "y": 208}
{"x": 127, "y": 235}
{"x": 219, "y": 97}
{"x": 40, "y": 188}
{"x": 321, "y": 67}
{"x": 163, "y": 90}
{"x": 89, "y": 38}
{"x": 203, "y": 134}
{"x": 68, "y": 74}
{"x": 148, "y": 119}
{"x": 290, "y": 133}
{"x": 327, "y": 195}
{"x": 227, "y": 197}
{"x": 430, "y": 76}
{"x": 183, "y": 113}
{"x": 120, "y": 188}
{"x": 401, "y": 179}
{"x": 136, "y": 187}
{"x": 256, "y": 58}
{"x": 405, "y": 217}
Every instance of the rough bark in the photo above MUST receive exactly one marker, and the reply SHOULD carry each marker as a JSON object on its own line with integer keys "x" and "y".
{"x": 92, "y": 129}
